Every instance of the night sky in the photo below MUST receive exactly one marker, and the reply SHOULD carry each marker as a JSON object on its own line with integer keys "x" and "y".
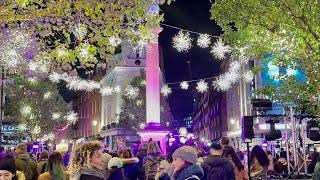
{"x": 194, "y": 16}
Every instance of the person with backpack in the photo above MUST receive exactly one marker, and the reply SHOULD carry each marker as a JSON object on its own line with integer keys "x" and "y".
{"x": 41, "y": 165}
{"x": 217, "y": 167}
{"x": 151, "y": 161}
{"x": 25, "y": 164}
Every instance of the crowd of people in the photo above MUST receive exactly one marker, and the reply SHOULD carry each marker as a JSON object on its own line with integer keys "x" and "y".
{"x": 89, "y": 161}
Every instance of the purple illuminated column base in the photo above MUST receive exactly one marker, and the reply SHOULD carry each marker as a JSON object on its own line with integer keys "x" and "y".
{"x": 155, "y": 132}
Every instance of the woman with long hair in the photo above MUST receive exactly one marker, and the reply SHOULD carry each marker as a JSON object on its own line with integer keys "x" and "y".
{"x": 54, "y": 168}
{"x": 239, "y": 171}
{"x": 87, "y": 162}
{"x": 259, "y": 162}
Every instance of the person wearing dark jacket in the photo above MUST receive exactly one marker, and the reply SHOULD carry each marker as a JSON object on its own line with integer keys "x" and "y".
{"x": 25, "y": 164}
{"x": 185, "y": 164}
{"x": 115, "y": 167}
{"x": 87, "y": 162}
{"x": 217, "y": 167}
{"x": 130, "y": 168}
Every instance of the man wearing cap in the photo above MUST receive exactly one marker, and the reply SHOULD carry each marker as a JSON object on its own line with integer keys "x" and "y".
{"x": 217, "y": 167}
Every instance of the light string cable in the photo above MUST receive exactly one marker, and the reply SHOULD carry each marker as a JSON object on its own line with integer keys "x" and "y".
{"x": 193, "y": 32}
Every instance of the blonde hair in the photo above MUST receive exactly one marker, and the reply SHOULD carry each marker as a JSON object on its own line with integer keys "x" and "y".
{"x": 153, "y": 149}
{"x": 81, "y": 156}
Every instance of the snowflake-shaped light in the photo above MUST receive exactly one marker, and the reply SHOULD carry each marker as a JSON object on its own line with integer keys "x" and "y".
{"x": 184, "y": 85}
{"x": 25, "y": 110}
{"x": 219, "y": 50}
{"x": 117, "y": 89}
{"x": 132, "y": 92}
{"x": 56, "y": 116}
{"x": 248, "y": 76}
{"x": 166, "y": 90}
{"x": 114, "y": 41}
{"x": 106, "y": 91}
{"x": 182, "y": 41}
{"x": 72, "y": 117}
{"x": 232, "y": 76}
{"x": 80, "y": 31}
{"x": 222, "y": 84}
{"x": 234, "y": 66}
{"x": 202, "y": 86}
{"x": 204, "y": 40}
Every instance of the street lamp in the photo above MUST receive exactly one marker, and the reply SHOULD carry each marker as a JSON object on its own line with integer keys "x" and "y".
{"x": 94, "y": 123}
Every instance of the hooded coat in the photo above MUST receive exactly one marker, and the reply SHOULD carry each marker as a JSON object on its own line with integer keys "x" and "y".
{"x": 192, "y": 172}
{"x": 218, "y": 168}
{"x": 27, "y": 165}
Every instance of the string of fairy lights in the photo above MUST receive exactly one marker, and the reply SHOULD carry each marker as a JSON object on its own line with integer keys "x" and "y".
{"x": 182, "y": 42}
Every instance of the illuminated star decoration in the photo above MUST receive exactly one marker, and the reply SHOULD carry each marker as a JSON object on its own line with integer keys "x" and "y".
{"x": 36, "y": 130}
{"x": 56, "y": 116}
{"x": 166, "y": 90}
{"x": 202, "y": 86}
{"x": 225, "y": 81}
{"x": 204, "y": 41}
{"x": 106, "y": 91}
{"x": 219, "y": 50}
{"x": 132, "y": 92}
{"x": 114, "y": 41}
{"x": 117, "y": 89}
{"x": 184, "y": 85}
{"x": 248, "y": 76}
{"x": 182, "y": 41}
{"x": 26, "y": 110}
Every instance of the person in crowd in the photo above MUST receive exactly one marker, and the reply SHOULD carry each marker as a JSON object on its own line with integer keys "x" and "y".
{"x": 151, "y": 161}
{"x": 87, "y": 162}
{"x": 280, "y": 166}
{"x": 26, "y": 164}
{"x": 314, "y": 160}
{"x": 185, "y": 164}
{"x": 270, "y": 170}
{"x": 141, "y": 154}
{"x": 8, "y": 169}
{"x": 66, "y": 158}
{"x": 107, "y": 158}
{"x": 54, "y": 168}
{"x": 224, "y": 141}
{"x": 41, "y": 165}
{"x": 201, "y": 156}
{"x": 259, "y": 162}
{"x": 240, "y": 171}
{"x": 115, "y": 167}
{"x": 130, "y": 164}
{"x": 316, "y": 174}
{"x": 217, "y": 167}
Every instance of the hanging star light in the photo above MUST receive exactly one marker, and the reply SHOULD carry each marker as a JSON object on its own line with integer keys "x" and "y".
{"x": 204, "y": 41}
{"x": 132, "y": 92}
{"x": 106, "y": 91}
{"x": 36, "y": 130}
{"x": 202, "y": 86}
{"x": 182, "y": 41}
{"x": 114, "y": 41}
{"x": 166, "y": 90}
{"x": 222, "y": 83}
{"x": 184, "y": 85}
{"x": 248, "y": 76}
{"x": 219, "y": 50}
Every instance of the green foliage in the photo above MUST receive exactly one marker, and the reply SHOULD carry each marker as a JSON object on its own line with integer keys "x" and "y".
{"x": 289, "y": 30}
{"x": 43, "y": 98}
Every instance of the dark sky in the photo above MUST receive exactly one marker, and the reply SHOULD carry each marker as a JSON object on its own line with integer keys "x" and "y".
{"x": 193, "y": 15}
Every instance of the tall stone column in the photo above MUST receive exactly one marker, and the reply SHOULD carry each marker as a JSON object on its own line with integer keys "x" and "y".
{"x": 153, "y": 129}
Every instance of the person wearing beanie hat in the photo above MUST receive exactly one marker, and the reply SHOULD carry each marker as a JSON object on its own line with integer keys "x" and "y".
{"x": 184, "y": 164}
